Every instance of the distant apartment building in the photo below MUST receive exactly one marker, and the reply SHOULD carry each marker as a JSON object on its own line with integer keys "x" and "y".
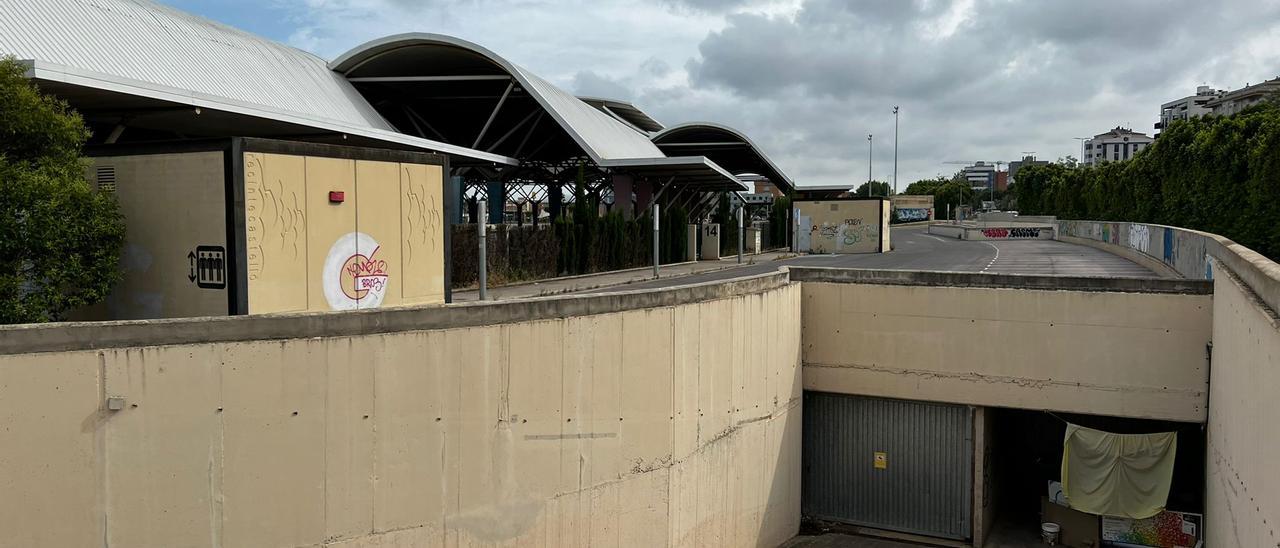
{"x": 1188, "y": 107}
{"x": 980, "y": 175}
{"x": 1235, "y": 101}
{"x": 1015, "y": 165}
{"x": 1113, "y": 146}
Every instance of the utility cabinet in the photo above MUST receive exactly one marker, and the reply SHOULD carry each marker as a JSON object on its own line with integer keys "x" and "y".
{"x": 255, "y": 226}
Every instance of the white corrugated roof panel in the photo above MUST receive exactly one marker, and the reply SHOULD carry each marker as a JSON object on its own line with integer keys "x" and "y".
{"x": 601, "y": 136}
{"x": 148, "y": 42}
{"x": 142, "y": 48}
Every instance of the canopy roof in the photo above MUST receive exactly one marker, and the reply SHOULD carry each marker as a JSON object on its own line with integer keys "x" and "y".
{"x": 725, "y": 146}
{"x": 135, "y": 61}
{"x": 692, "y": 172}
{"x": 473, "y": 97}
{"x": 625, "y": 112}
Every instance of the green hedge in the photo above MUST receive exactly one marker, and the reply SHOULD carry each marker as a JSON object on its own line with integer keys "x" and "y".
{"x": 597, "y": 244}
{"x": 1216, "y": 174}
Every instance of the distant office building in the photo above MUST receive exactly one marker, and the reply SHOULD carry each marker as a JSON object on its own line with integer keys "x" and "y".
{"x": 1240, "y": 99}
{"x": 980, "y": 175}
{"x": 823, "y": 192}
{"x": 1187, "y": 107}
{"x": 1015, "y": 165}
{"x": 1114, "y": 146}
{"x": 1002, "y": 181}
{"x": 762, "y": 185}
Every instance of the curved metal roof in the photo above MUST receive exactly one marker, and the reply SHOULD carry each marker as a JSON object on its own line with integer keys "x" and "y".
{"x": 728, "y": 147}
{"x": 624, "y": 111}
{"x": 145, "y": 49}
{"x": 405, "y": 59}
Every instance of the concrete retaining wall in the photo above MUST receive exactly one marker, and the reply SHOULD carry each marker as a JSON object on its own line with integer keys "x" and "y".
{"x": 994, "y": 231}
{"x": 1135, "y": 348}
{"x": 1242, "y": 489}
{"x": 660, "y": 418}
{"x": 1183, "y": 251}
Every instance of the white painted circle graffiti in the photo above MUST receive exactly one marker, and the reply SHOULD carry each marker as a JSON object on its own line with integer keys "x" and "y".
{"x": 354, "y": 276}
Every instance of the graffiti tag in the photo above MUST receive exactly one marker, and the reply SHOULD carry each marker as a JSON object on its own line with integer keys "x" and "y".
{"x": 353, "y": 278}
{"x": 913, "y": 214}
{"x": 1140, "y": 237}
{"x": 361, "y": 274}
{"x": 1011, "y": 232}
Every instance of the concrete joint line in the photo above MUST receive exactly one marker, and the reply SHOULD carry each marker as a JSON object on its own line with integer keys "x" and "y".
{"x": 668, "y": 461}
{"x": 1002, "y": 379}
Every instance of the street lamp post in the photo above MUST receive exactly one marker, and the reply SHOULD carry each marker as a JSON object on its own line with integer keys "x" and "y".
{"x": 1080, "y": 161}
{"x": 870, "y": 189}
{"x": 895, "y": 149}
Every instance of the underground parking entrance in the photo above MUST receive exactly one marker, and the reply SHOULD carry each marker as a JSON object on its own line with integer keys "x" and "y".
{"x": 957, "y": 475}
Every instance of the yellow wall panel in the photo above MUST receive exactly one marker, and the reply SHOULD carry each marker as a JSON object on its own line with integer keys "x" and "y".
{"x": 376, "y": 272}
{"x": 275, "y": 196}
{"x": 422, "y": 226}
{"x": 331, "y": 232}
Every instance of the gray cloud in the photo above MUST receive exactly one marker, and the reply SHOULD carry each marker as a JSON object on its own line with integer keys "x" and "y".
{"x": 809, "y": 79}
{"x": 1012, "y": 77}
{"x": 592, "y": 84}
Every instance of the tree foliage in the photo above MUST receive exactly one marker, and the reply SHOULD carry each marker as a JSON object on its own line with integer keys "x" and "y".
{"x": 948, "y": 193}
{"x": 779, "y": 221}
{"x": 873, "y": 188}
{"x": 1216, "y": 174}
{"x": 59, "y": 239}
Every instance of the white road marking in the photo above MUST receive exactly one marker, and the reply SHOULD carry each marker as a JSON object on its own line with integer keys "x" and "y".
{"x": 993, "y": 259}
{"x": 937, "y": 238}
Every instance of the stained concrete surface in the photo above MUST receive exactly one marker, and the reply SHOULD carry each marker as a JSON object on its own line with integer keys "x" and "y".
{"x": 914, "y": 249}
{"x": 840, "y": 540}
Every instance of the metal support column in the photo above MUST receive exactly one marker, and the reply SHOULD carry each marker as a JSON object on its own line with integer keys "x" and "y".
{"x": 655, "y": 238}
{"x": 483, "y": 259}
{"x": 742, "y": 234}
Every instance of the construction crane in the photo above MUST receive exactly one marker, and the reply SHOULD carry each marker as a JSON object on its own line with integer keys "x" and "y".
{"x": 997, "y": 163}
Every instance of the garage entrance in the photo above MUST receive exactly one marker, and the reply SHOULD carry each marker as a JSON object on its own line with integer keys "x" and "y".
{"x": 897, "y": 465}
{"x": 1024, "y": 465}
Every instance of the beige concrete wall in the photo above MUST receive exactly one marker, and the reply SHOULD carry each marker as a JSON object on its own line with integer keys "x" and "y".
{"x": 1242, "y": 485}
{"x": 673, "y": 425}
{"x": 1010, "y": 231}
{"x": 1106, "y": 353}
{"x": 915, "y": 202}
{"x": 843, "y": 226}
{"x": 382, "y": 246}
{"x": 171, "y": 203}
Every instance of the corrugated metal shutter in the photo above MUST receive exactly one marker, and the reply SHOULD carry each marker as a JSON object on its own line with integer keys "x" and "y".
{"x": 924, "y": 485}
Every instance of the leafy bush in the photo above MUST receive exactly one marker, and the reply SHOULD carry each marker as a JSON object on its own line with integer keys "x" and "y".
{"x": 1217, "y": 174}
{"x": 59, "y": 239}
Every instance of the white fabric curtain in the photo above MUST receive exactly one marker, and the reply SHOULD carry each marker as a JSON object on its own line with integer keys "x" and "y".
{"x": 1125, "y": 475}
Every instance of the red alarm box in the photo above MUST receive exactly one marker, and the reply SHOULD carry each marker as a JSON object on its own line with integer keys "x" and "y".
{"x": 337, "y": 196}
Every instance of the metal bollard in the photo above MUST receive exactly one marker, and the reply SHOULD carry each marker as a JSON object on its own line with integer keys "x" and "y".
{"x": 482, "y": 220}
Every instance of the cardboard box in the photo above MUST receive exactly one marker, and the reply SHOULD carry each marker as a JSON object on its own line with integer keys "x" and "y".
{"x": 1164, "y": 530}
{"x": 1079, "y": 530}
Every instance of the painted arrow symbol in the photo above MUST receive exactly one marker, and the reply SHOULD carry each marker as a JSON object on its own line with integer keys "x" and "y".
{"x": 191, "y": 258}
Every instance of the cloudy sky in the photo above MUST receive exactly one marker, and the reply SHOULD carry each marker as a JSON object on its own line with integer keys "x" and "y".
{"x": 809, "y": 79}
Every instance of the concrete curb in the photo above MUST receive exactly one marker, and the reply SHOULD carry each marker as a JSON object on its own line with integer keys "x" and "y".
{"x": 59, "y": 337}
{"x": 549, "y": 293}
{"x": 999, "y": 281}
{"x": 573, "y": 277}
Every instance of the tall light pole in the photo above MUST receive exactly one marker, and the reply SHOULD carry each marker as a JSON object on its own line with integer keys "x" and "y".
{"x": 869, "y": 186}
{"x": 895, "y": 149}
{"x": 1080, "y": 161}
